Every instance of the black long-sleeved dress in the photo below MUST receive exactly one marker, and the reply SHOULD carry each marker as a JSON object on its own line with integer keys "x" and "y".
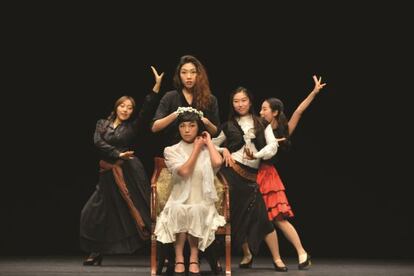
{"x": 106, "y": 225}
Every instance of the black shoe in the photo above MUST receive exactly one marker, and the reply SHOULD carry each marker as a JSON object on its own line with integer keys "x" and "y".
{"x": 215, "y": 266}
{"x": 194, "y": 273}
{"x": 280, "y": 268}
{"x": 219, "y": 268}
{"x": 247, "y": 265}
{"x": 94, "y": 258}
{"x": 161, "y": 263}
{"x": 179, "y": 273}
{"x": 306, "y": 264}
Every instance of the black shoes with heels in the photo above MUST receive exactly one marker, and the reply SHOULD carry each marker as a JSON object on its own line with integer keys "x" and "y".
{"x": 306, "y": 264}
{"x": 280, "y": 268}
{"x": 94, "y": 258}
{"x": 215, "y": 266}
{"x": 250, "y": 263}
{"x": 247, "y": 265}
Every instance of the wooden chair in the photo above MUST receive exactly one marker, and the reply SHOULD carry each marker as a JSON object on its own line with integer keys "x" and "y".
{"x": 160, "y": 191}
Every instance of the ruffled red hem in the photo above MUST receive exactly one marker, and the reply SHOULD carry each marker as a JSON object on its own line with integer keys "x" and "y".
{"x": 273, "y": 192}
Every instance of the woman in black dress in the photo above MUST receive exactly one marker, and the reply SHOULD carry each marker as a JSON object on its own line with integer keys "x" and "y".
{"x": 116, "y": 218}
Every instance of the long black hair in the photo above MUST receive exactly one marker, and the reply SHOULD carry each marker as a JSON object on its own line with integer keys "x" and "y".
{"x": 201, "y": 90}
{"x": 282, "y": 129}
{"x": 259, "y": 123}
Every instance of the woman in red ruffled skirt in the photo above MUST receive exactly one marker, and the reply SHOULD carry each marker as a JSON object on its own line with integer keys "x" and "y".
{"x": 271, "y": 185}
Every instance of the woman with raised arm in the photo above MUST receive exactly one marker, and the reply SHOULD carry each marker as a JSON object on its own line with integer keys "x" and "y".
{"x": 116, "y": 218}
{"x": 270, "y": 184}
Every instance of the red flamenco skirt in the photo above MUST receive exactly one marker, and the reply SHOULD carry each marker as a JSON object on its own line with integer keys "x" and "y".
{"x": 273, "y": 192}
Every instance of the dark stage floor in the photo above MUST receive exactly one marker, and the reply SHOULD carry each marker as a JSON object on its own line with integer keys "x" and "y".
{"x": 138, "y": 265}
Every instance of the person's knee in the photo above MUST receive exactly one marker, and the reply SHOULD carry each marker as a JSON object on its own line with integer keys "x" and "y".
{"x": 280, "y": 223}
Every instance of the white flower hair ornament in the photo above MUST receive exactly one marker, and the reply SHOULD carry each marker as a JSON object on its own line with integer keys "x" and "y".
{"x": 183, "y": 109}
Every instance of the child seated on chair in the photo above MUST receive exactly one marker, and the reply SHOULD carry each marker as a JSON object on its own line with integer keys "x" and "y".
{"x": 190, "y": 212}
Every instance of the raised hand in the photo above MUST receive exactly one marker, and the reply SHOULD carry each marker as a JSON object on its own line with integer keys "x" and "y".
{"x": 158, "y": 79}
{"x": 198, "y": 142}
{"x": 206, "y": 137}
{"x": 318, "y": 84}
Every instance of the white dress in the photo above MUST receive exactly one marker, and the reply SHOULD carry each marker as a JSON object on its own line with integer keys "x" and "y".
{"x": 190, "y": 207}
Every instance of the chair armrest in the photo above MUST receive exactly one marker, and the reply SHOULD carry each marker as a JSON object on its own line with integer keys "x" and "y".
{"x": 159, "y": 164}
{"x": 226, "y": 201}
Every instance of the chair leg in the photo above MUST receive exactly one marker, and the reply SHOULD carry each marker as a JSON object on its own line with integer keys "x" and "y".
{"x": 228, "y": 251}
{"x": 153, "y": 255}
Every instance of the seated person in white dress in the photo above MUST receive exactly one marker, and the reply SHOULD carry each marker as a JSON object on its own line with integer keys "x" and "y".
{"x": 190, "y": 213}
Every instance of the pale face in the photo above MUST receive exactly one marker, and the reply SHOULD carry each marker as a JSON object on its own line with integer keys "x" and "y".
{"x": 124, "y": 110}
{"x": 188, "y": 75}
{"x": 188, "y": 131}
{"x": 241, "y": 103}
{"x": 267, "y": 113}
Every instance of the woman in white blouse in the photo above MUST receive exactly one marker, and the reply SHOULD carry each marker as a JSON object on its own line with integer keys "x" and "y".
{"x": 246, "y": 139}
{"x": 190, "y": 212}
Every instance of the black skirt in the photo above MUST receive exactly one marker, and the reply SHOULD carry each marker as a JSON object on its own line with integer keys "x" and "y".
{"x": 248, "y": 214}
{"x": 106, "y": 225}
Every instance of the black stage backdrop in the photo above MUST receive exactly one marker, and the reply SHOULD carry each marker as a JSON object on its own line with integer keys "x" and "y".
{"x": 345, "y": 176}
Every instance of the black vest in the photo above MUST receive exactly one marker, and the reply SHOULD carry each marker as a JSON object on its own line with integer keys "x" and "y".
{"x": 234, "y": 137}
